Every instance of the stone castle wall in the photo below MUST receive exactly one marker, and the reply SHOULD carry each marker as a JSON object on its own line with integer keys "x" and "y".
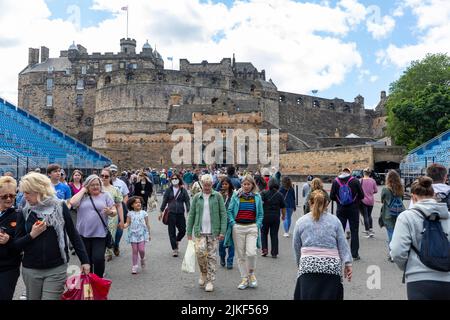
{"x": 327, "y": 161}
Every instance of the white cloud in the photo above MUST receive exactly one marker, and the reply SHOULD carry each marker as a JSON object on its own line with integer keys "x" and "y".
{"x": 302, "y": 46}
{"x": 433, "y": 24}
{"x": 382, "y": 28}
{"x": 373, "y": 78}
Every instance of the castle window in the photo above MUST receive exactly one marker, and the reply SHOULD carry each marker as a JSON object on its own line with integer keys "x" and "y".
{"x": 121, "y": 65}
{"x": 80, "y": 84}
{"x": 107, "y": 80}
{"x": 49, "y": 84}
{"x": 83, "y": 70}
{"x": 129, "y": 76}
{"x": 331, "y": 106}
{"x": 282, "y": 99}
{"x": 50, "y": 69}
{"x": 108, "y": 67}
{"x": 316, "y": 104}
{"x": 79, "y": 101}
{"x": 347, "y": 108}
{"x": 49, "y": 102}
{"x": 252, "y": 88}
{"x": 299, "y": 100}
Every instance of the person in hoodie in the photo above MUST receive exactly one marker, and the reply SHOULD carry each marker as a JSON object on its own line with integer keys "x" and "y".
{"x": 9, "y": 257}
{"x": 349, "y": 211}
{"x": 422, "y": 283}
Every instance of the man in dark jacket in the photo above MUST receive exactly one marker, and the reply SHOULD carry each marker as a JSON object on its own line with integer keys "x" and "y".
{"x": 347, "y": 209}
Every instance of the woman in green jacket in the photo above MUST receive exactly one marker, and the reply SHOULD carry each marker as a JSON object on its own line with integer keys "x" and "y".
{"x": 208, "y": 220}
{"x": 245, "y": 214}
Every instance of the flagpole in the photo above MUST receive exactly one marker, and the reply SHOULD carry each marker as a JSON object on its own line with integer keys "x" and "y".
{"x": 127, "y": 19}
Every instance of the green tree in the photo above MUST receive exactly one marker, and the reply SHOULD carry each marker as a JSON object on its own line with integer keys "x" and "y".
{"x": 418, "y": 106}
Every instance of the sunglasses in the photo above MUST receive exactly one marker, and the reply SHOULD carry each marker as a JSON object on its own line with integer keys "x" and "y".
{"x": 104, "y": 176}
{"x": 7, "y": 196}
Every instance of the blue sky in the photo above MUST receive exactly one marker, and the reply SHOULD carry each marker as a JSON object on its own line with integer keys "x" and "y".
{"x": 342, "y": 48}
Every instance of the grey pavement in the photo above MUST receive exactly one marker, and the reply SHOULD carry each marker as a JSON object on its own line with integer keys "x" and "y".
{"x": 163, "y": 279}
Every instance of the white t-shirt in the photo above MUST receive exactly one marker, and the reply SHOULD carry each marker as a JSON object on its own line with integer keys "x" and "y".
{"x": 122, "y": 186}
{"x": 206, "y": 219}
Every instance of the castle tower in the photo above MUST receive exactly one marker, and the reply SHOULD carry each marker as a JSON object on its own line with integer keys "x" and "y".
{"x": 128, "y": 46}
{"x": 73, "y": 51}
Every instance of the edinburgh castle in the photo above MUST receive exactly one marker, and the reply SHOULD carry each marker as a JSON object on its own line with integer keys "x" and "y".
{"x": 127, "y": 105}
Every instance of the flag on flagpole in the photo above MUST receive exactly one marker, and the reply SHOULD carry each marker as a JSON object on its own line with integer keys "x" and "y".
{"x": 170, "y": 58}
{"x": 125, "y": 8}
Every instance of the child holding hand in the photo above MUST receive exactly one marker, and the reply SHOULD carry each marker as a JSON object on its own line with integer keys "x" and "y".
{"x": 138, "y": 231}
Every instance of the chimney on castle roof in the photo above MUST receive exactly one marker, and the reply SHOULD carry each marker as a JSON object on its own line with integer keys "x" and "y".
{"x": 33, "y": 56}
{"x": 383, "y": 95}
{"x": 45, "y": 52}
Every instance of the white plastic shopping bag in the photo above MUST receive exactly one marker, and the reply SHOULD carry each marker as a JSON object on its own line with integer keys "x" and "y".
{"x": 189, "y": 258}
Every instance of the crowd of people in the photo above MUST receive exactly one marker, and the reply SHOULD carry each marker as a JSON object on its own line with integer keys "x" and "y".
{"x": 228, "y": 213}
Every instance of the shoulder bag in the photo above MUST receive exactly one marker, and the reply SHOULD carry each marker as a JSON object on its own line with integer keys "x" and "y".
{"x": 165, "y": 217}
{"x": 109, "y": 238}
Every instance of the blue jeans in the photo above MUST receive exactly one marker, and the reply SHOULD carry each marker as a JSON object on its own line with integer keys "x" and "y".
{"x": 223, "y": 253}
{"x": 287, "y": 221}
{"x": 389, "y": 233}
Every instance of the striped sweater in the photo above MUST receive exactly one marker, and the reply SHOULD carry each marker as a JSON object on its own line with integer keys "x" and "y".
{"x": 320, "y": 246}
{"x": 247, "y": 210}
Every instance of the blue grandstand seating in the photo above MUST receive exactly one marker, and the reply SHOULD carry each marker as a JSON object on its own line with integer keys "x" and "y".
{"x": 26, "y": 138}
{"x": 436, "y": 150}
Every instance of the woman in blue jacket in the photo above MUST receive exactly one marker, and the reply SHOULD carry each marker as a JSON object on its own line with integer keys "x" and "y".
{"x": 245, "y": 214}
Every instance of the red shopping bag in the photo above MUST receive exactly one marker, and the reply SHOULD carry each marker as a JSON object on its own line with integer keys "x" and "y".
{"x": 86, "y": 287}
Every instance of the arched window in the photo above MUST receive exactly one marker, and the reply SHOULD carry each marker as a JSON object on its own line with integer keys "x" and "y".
{"x": 299, "y": 101}
{"x": 331, "y": 106}
{"x": 107, "y": 80}
{"x": 316, "y": 104}
{"x": 282, "y": 98}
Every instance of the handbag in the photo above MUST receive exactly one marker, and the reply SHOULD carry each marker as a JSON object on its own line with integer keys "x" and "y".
{"x": 86, "y": 287}
{"x": 165, "y": 217}
{"x": 109, "y": 238}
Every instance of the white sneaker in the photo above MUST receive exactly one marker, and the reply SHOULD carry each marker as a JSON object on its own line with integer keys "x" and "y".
{"x": 244, "y": 284}
{"x": 209, "y": 287}
{"x": 253, "y": 283}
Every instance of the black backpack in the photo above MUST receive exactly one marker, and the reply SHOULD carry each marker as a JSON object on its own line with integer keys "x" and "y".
{"x": 443, "y": 197}
{"x": 434, "y": 249}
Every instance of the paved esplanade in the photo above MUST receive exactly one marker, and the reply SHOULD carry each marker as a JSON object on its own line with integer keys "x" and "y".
{"x": 163, "y": 278}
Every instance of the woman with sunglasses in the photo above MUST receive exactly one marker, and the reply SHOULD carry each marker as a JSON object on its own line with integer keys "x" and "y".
{"x": 176, "y": 198}
{"x": 9, "y": 257}
{"x": 116, "y": 195}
